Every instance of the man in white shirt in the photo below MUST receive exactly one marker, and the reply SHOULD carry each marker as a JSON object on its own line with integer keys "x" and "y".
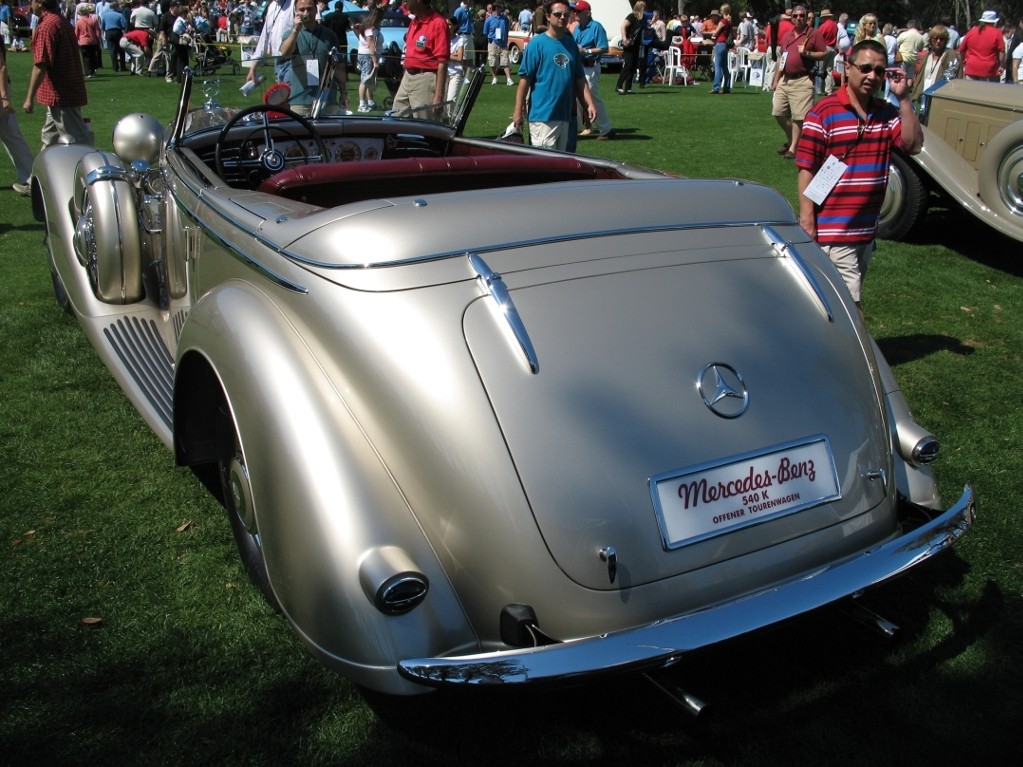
{"x": 142, "y": 17}
{"x": 277, "y": 23}
{"x": 747, "y": 33}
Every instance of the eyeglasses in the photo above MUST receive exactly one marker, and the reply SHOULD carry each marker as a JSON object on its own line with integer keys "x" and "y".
{"x": 799, "y": 15}
{"x": 866, "y": 69}
{"x": 559, "y": 14}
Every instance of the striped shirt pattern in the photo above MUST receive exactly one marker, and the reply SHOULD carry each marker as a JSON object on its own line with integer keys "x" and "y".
{"x": 849, "y": 214}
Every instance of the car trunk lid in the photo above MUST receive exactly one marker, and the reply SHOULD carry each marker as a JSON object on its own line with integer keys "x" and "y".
{"x": 616, "y": 402}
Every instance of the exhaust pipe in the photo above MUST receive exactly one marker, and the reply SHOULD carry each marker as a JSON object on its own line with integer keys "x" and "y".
{"x": 862, "y": 614}
{"x": 689, "y": 703}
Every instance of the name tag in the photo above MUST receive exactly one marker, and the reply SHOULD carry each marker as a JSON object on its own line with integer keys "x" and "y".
{"x": 312, "y": 71}
{"x": 825, "y": 180}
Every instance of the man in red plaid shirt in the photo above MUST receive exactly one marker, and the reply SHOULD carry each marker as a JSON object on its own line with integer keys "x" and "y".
{"x": 57, "y": 80}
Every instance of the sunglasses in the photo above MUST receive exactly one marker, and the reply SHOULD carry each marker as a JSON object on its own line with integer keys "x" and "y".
{"x": 866, "y": 69}
{"x": 559, "y": 14}
{"x": 799, "y": 15}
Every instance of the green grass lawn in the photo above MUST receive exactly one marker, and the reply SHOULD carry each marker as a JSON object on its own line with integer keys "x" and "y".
{"x": 130, "y": 635}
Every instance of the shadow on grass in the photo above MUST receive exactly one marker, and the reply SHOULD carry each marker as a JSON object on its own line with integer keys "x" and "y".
{"x": 621, "y": 134}
{"x": 778, "y": 697}
{"x": 34, "y": 226}
{"x": 947, "y": 224}
{"x": 900, "y": 349}
{"x": 772, "y": 696}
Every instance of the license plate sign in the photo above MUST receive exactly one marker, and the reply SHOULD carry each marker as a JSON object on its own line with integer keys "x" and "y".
{"x": 712, "y": 499}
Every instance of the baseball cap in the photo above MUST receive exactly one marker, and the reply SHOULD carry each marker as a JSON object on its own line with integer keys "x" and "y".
{"x": 582, "y": 5}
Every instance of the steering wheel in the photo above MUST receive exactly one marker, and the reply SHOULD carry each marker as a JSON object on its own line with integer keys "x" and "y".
{"x": 272, "y": 160}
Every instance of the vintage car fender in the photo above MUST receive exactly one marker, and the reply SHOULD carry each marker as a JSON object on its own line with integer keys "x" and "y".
{"x": 107, "y": 239}
{"x": 53, "y": 174}
{"x": 333, "y": 521}
{"x": 944, "y": 168}
{"x": 1001, "y": 172}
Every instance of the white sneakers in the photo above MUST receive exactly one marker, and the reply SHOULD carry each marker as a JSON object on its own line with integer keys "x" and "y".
{"x": 23, "y": 189}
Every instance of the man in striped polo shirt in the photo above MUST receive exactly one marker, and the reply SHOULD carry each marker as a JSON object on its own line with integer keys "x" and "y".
{"x": 844, "y": 155}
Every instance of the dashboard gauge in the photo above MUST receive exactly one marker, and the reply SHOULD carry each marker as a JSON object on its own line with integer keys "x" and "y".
{"x": 349, "y": 152}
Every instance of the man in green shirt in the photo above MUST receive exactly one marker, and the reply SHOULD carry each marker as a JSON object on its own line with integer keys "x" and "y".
{"x": 309, "y": 44}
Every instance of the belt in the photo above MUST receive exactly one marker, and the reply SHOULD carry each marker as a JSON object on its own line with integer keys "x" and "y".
{"x": 415, "y": 71}
{"x": 796, "y": 77}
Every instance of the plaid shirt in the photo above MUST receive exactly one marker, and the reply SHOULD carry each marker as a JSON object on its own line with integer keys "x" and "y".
{"x": 55, "y": 47}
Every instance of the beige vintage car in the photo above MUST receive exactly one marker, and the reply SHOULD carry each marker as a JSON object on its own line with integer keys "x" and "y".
{"x": 973, "y": 152}
{"x": 456, "y": 450}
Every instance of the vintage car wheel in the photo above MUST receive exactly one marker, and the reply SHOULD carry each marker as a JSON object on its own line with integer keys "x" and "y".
{"x": 1001, "y": 172}
{"x": 905, "y": 200}
{"x": 236, "y": 494}
{"x": 514, "y": 54}
{"x": 272, "y": 160}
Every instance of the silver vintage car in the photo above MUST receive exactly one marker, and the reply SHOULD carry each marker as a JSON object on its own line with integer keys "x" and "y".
{"x": 638, "y": 416}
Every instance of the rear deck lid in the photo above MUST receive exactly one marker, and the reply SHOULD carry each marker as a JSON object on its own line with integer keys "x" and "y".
{"x": 625, "y": 346}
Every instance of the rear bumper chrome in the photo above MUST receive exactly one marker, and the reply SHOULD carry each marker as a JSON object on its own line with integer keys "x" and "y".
{"x": 660, "y": 643}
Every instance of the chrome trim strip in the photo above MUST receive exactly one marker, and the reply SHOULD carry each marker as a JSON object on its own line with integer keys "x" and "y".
{"x": 107, "y": 173}
{"x": 492, "y": 283}
{"x": 512, "y": 245}
{"x": 786, "y": 248}
{"x": 661, "y": 642}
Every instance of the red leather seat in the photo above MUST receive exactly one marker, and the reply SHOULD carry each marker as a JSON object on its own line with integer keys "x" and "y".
{"x": 340, "y": 182}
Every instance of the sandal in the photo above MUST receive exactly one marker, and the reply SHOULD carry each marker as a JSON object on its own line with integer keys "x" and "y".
{"x": 789, "y": 155}
{"x": 782, "y": 149}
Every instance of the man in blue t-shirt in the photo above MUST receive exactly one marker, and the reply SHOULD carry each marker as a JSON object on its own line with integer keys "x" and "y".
{"x": 590, "y": 36}
{"x": 496, "y": 29}
{"x": 553, "y": 70}
{"x": 464, "y": 31}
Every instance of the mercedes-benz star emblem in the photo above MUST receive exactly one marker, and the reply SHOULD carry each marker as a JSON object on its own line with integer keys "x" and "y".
{"x": 723, "y": 390}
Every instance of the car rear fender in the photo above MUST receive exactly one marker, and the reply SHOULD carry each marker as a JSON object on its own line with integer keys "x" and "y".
{"x": 914, "y": 480}
{"x": 325, "y": 505}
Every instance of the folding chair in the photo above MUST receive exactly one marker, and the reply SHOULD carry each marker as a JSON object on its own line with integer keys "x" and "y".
{"x": 673, "y": 67}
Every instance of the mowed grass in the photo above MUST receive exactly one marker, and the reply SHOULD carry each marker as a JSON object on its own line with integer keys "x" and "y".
{"x": 129, "y": 634}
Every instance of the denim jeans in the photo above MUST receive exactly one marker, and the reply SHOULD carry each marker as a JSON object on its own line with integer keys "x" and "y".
{"x": 722, "y": 81}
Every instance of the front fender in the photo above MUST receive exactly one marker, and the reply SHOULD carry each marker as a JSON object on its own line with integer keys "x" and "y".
{"x": 961, "y": 181}
{"x": 53, "y": 180}
{"x": 325, "y": 504}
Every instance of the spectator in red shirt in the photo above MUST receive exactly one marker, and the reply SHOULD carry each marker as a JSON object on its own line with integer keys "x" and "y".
{"x": 858, "y": 131}
{"x": 784, "y": 25}
{"x": 798, "y": 51}
{"x": 427, "y": 51}
{"x": 828, "y": 32}
{"x": 57, "y": 81}
{"x": 982, "y": 49}
{"x": 134, "y": 43}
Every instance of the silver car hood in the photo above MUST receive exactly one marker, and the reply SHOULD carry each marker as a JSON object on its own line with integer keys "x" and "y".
{"x": 620, "y": 340}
